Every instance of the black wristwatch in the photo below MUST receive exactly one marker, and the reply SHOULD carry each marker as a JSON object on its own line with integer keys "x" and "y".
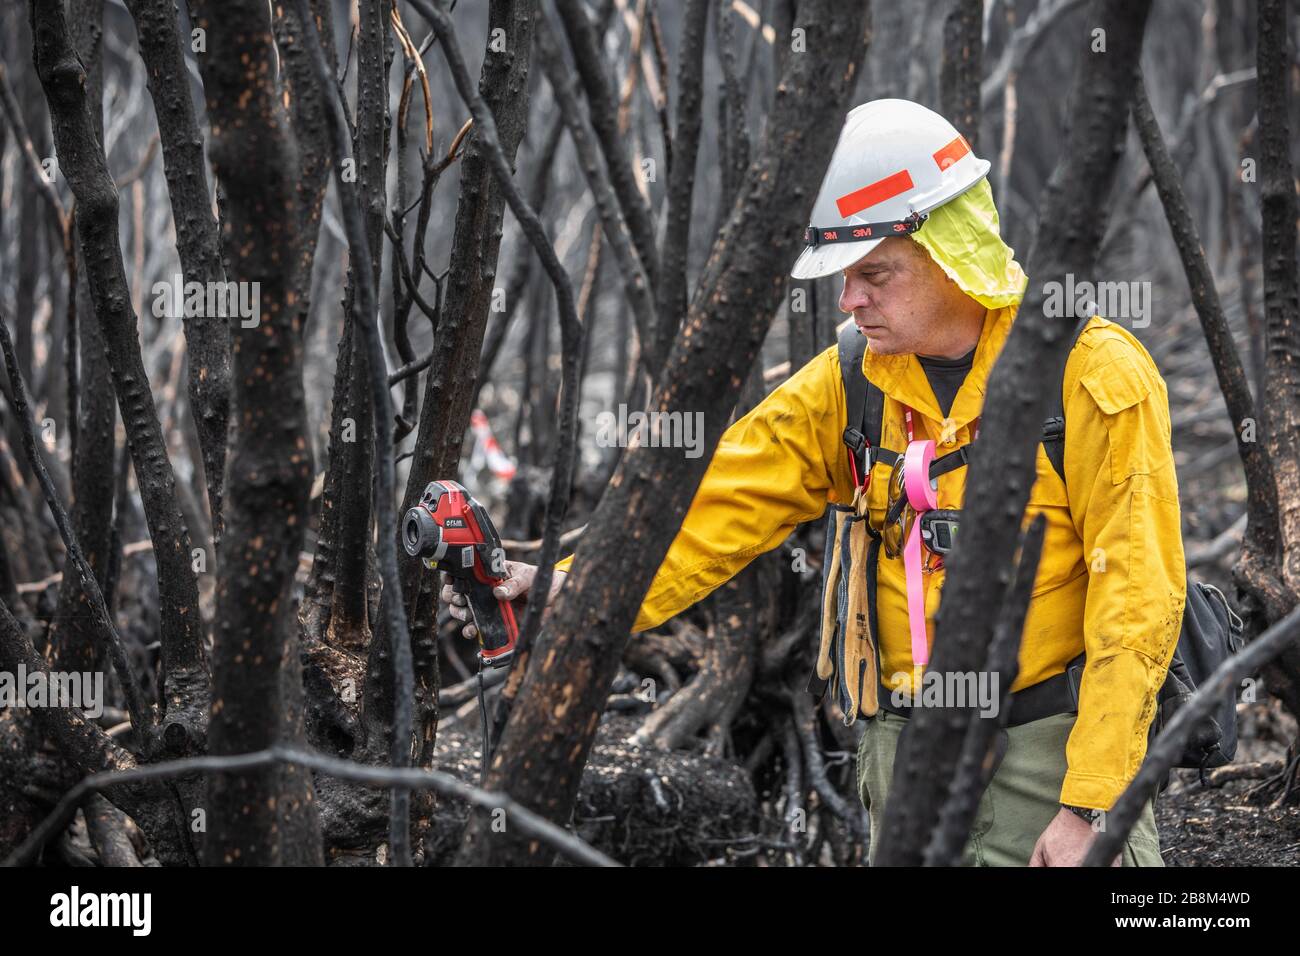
{"x": 1085, "y": 813}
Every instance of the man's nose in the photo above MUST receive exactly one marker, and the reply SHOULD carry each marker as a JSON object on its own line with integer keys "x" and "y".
{"x": 853, "y": 296}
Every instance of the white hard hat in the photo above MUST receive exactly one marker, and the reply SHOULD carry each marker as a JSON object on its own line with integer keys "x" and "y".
{"x": 894, "y": 162}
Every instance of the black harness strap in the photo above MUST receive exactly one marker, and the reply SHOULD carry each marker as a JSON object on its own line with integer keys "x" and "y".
{"x": 852, "y": 346}
{"x": 1054, "y": 424}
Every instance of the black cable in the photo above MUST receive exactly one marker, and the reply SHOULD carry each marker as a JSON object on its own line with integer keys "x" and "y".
{"x": 483, "y": 722}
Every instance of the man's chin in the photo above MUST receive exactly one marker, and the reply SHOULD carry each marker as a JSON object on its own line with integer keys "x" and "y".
{"x": 879, "y": 345}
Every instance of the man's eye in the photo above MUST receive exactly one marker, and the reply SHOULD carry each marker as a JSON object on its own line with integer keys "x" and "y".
{"x": 876, "y": 278}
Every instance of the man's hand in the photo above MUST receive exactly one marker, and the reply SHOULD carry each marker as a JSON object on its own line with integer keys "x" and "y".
{"x": 515, "y": 587}
{"x": 1065, "y": 842}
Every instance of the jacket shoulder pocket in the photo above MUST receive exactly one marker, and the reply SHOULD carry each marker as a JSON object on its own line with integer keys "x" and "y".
{"x": 1117, "y": 385}
{"x": 1121, "y": 387}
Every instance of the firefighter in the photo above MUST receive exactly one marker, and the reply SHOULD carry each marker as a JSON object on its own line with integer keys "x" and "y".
{"x": 906, "y": 217}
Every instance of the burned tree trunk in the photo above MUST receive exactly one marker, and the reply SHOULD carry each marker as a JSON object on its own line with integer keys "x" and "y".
{"x": 1280, "y": 418}
{"x": 733, "y": 132}
{"x": 670, "y": 293}
{"x": 1258, "y": 573}
{"x": 185, "y": 676}
{"x": 1281, "y": 302}
{"x": 307, "y": 116}
{"x": 80, "y": 744}
{"x": 636, "y": 280}
{"x": 604, "y": 112}
{"x": 339, "y": 584}
{"x": 521, "y": 270}
{"x": 397, "y": 638}
{"x": 72, "y": 634}
{"x": 1069, "y": 235}
{"x": 207, "y": 337}
{"x": 30, "y": 222}
{"x": 962, "y": 66}
{"x": 549, "y": 736}
{"x": 269, "y": 467}
{"x": 743, "y": 611}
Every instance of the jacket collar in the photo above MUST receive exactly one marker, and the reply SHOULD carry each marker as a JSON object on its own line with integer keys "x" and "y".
{"x": 901, "y": 377}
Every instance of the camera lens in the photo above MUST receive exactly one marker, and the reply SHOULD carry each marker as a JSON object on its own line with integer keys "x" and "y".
{"x": 420, "y": 533}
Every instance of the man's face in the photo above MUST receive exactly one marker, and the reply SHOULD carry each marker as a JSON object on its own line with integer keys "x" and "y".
{"x": 900, "y": 299}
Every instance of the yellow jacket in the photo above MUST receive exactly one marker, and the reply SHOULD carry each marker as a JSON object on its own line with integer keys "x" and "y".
{"x": 1112, "y": 557}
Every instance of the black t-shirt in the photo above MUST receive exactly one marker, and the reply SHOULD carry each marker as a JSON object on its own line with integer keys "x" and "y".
{"x": 945, "y": 376}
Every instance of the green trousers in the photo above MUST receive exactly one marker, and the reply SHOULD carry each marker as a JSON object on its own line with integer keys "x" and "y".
{"x": 1021, "y": 800}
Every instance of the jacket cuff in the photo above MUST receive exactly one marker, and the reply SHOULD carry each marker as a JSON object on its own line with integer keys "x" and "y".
{"x": 1091, "y": 790}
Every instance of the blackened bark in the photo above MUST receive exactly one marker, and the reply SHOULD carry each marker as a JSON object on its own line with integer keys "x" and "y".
{"x": 1258, "y": 570}
{"x": 590, "y": 62}
{"x": 522, "y": 268}
{"x": 207, "y": 337}
{"x": 636, "y": 282}
{"x": 299, "y": 816}
{"x": 394, "y": 610}
{"x": 546, "y": 743}
{"x": 269, "y": 466}
{"x": 106, "y": 826}
{"x": 1069, "y": 234}
{"x": 1280, "y": 411}
{"x": 32, "y": 230}
{"x": 960, "y": 71}
{"x": 318, "y": 597}
{"x": 539, "y": 402}
{"x": 4, "y": 128}
{"x": 307, "y": 116}
{"x": 733, "y": 132}
{"x": 342, "y": 609}
{"x": 82, "y": 161}
{"x": 542, "y": 163}
{"x": 670, "y": 294}
{"x": 370, "y": 146}
{"x": 72, "y": 637}
{"x": 92, "y": 485}
{"x": 343, "y": 543}
{"x": 1281, "y": 303}
{"x": 350, "y": 498}
{"x": 405, "y": 275}
{"x": 744, "y": 615}
{"x": 588, "y": 296}
{"x": 571, "y": 331}
{"x": 153, "y": 806}
{"x": 106, "y": 633}
{"x": 62, "y": 406}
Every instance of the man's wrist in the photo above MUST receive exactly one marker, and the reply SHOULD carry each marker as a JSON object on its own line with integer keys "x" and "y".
{"x": 1088, "y": 814}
